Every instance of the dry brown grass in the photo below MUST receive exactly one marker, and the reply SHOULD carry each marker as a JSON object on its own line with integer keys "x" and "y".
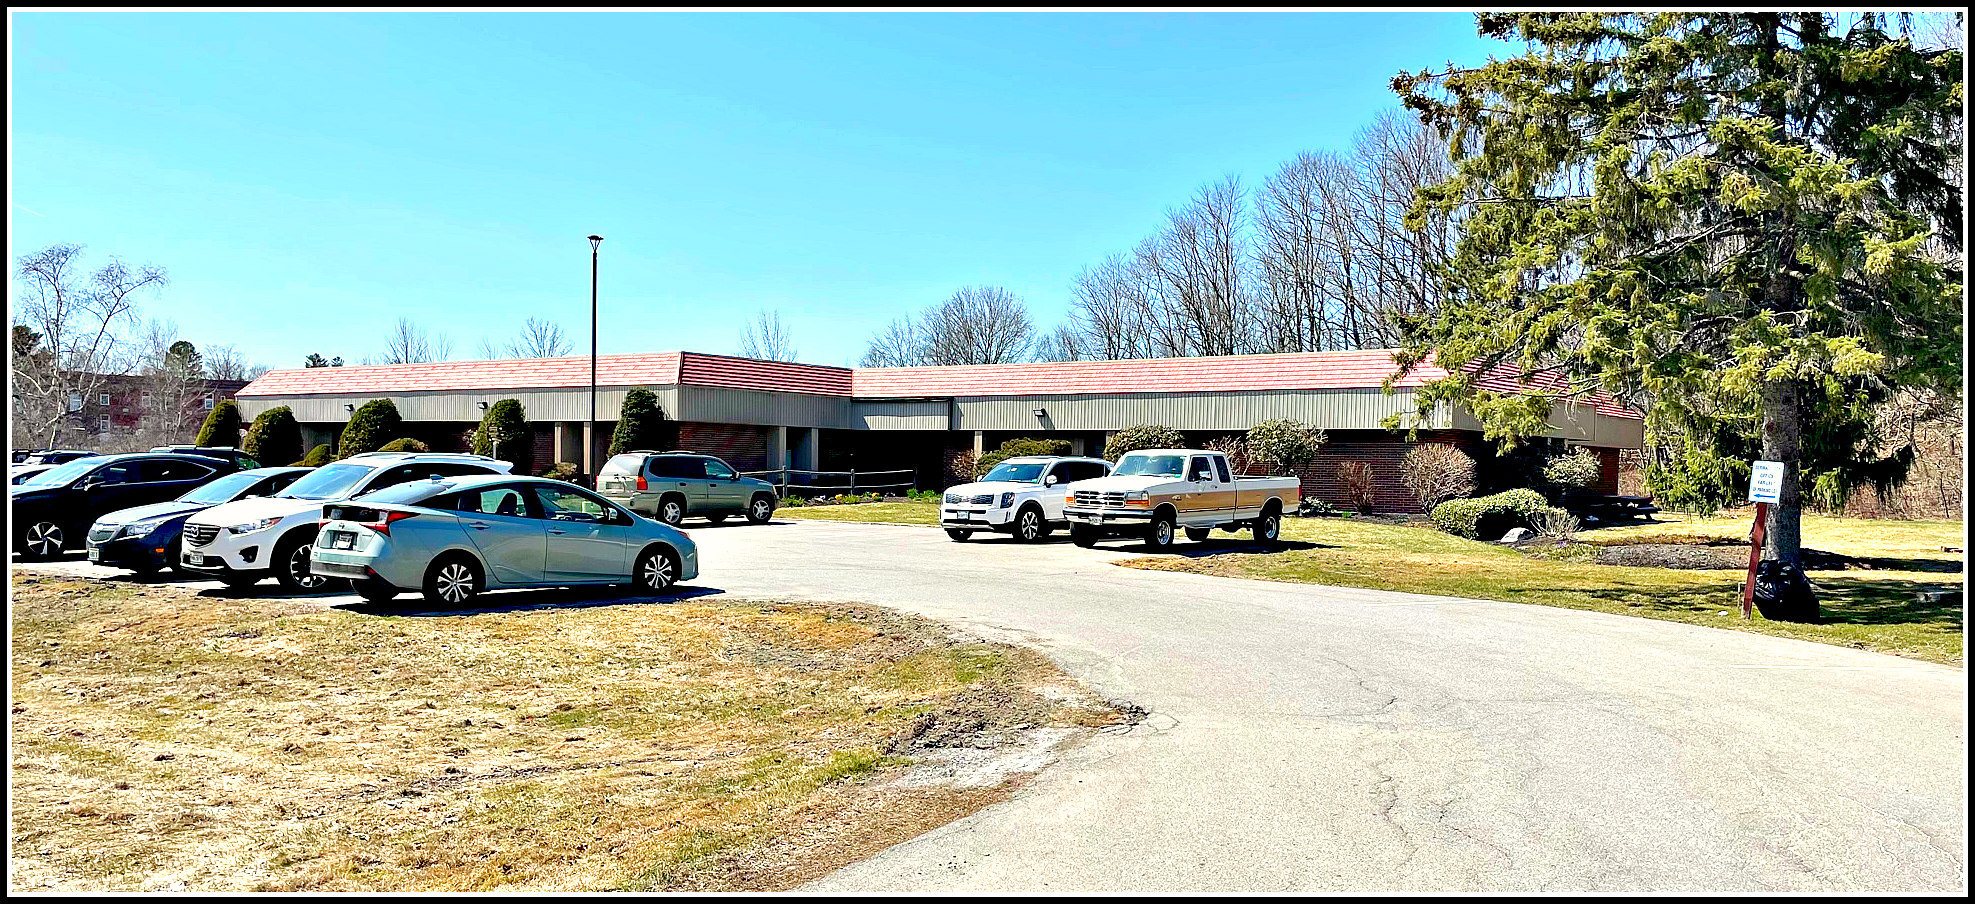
{"x": 163, "y": 739}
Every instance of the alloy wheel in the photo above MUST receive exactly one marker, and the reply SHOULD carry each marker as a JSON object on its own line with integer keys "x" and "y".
{"x": 454, "y": 582}
{"x": 657, "y": 573}
{"x": 298, "y": 568}
{"x": 1163, "y": 532}
{"x": 1030, "y": 525}
{"x": 672, "y": 513}
{"x": 44, "y": 539}
{"x": 762, "y": 510}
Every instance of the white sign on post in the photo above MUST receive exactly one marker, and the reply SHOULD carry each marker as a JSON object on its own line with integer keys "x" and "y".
{"x": 1765, "y": 481}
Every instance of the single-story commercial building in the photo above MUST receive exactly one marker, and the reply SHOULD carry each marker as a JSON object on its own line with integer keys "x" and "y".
{"x": 765, "y": 415}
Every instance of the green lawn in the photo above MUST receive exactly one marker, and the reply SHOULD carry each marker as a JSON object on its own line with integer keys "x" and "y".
{"x": 894, "y": 512}
{"x": 1872, "y": 609}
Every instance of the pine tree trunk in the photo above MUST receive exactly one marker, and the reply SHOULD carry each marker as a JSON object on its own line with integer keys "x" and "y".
{"x": 1782, "y": 440}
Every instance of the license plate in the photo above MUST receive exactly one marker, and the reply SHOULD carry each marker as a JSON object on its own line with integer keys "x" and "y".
{"x": 193, "y": 558}
{"x": 95, "y": 555}
{"x": 342, "y": 540}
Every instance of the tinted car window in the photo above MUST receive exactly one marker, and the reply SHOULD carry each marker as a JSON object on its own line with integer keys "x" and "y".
{"x": 678, "y": 466}
{"x": 410, "y": 492}
{"x": 121, "y": 472}
{"x": 1221, "y": 466}
{"x": 622, "y": 464}
{"x": 327, "y": 482}
{"x": 1200, "y": 470}
{"x": 173, "y": 469}
{"x": 277, "y": 483}
{"x": 222, "y": 490}
{"x": 717, "y": 469}
{"x": 504, "y": 501}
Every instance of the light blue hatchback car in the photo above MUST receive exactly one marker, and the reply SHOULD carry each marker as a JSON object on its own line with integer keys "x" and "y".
{"x": 451, "y": 538}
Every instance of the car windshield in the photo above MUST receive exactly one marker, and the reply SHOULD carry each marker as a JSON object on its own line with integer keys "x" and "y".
{"x": 410, "y": 493}
{"x": 223, "y": 489}
{"x": 328, "y": 482}
{"x": 1151, "y": 466}
{"x": 62, "y": 475}
{"x": 1017, "y": 472}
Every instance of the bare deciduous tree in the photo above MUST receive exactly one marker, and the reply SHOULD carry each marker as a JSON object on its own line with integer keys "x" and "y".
{"x": 224, "y": 362}
{"x": 976, "y": 325}
{"x": 766, "y": 338}
{"x": 172, "y": 387}
{"x": 408, "y": 343}
{"x": 898, "y": 345}
{"x": 79, "y": 324}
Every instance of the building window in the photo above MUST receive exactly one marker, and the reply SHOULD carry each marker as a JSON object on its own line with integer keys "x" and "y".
{"x": 209, "y": 401}
{"x": 147, "y": 398}
{"x": 103, "y": 424}
{"x": 103, "y": 398}
{"x": 75, "y": 401}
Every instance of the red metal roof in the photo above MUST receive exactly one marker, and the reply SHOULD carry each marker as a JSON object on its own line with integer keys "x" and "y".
{"x": 1301, "y": 371}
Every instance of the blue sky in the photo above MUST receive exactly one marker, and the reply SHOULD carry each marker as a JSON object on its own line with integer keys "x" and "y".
{"x": 308, "y": 178}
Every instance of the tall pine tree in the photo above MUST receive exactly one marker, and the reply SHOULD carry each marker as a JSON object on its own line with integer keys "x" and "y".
{"x": 1750, "y": 223}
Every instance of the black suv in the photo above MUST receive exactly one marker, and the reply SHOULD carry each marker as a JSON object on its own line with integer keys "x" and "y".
{"x": 52, "y": 510}
{"x": 240, "y": 459}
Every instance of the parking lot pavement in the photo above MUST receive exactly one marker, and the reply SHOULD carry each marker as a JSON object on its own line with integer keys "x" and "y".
{"x": 1313, "y": 738}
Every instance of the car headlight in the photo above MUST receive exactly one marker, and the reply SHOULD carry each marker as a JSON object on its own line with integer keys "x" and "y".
{"x": 251, "y": 526}
{"x": 142, "y": 528}
{"x": 1007, "y": 499}
{"x": 1136, "y": 496}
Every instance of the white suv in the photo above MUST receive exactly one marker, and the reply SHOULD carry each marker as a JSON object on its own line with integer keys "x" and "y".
{"x": 1021, "y": 496}
{"x": 243, "y": 541}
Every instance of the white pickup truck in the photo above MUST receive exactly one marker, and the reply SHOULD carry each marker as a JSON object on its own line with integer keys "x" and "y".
{"x": 1152, "y": 493}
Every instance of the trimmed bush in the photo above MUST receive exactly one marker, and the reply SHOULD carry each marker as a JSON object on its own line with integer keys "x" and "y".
{"x": 503, "y": 432}
{"x": 1020, "y": 446}
{"x": 1143, "y": 436}
{"x": 373, "y": 425}
{"x": 1437, "y": 472}
{"x": 640, "y": 423}
{"x": 562, "y": 470}
{"x": 1283, "y": 446}
{"x": 316, "y": 458}
{"x": 275, "y": 436}
{"x": 406, "y": 444}
{"x": 1575, "y": 471}
{"x": 222, "y": 426}
{"x": 1489, "y": 516}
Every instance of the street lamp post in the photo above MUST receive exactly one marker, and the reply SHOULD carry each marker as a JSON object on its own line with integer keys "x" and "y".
{"x": 590, "y": 428}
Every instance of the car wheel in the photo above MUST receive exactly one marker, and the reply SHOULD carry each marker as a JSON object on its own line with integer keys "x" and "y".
{"x": 1028, "y": 525}
{"x": 760, "y": 509}
{"x": 1199, "y": 534}
{"x": 41, "y": 540}
{"x": 452, "y": 581}
{"x": 672, "y": 511}
{"x": 958, "y": 535}
{"x": 655, "y": 572}
{"x": 1160, "y": 534}
{"x": 374, "y": 591}
{"x": 1268, "y": 528}
{"x": 1085, "y": 537}
{"x": 291, "y": 565}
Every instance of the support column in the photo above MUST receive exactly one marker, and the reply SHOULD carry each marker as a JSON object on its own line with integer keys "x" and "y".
{"x": 778, "y": 448}
{"x": 980, "y": 442}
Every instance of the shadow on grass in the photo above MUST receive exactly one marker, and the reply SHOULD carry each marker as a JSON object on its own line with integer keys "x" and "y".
{"x": 1842, "y": 600}
{"x": 549, "y": 598}
{"x": 1220, "y": 547}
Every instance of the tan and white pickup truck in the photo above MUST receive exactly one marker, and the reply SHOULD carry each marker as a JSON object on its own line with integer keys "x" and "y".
{"x": 1153, "y": 493}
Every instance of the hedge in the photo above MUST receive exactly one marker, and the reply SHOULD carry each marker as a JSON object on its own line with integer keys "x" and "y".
{"x": 405, "y": 444}
{"x": 374, "y": 424}
{"x": 1144, "y": 436}
{"x": 1502, "y": 511}
{"x": 316, "y": 458}
{"x": 1577, "y": 470}
{"x": 1020, "y": 446}
{"x": 275, "y": 436}
{"x": 222, "y": 426}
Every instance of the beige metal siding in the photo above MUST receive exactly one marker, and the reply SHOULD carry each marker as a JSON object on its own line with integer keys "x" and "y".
{"x": 538, "y": 404}
{"x": 1330, "y": 409}
{"x": 716, "y": 405}
{"x": 925, "y": 414}
{"x": 1579, "y": 423}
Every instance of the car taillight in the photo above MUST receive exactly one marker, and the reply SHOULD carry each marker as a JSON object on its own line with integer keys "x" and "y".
{"x": 390, "y": 518}
{"x": 641, "y": 482}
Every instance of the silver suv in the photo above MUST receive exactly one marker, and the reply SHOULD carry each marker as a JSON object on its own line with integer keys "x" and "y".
{"x": 669, "y": 486}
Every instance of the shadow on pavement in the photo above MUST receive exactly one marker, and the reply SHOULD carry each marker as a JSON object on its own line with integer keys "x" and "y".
{"x": 414, "y": 606}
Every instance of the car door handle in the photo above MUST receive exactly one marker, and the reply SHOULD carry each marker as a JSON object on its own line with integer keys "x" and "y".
{"x": 555, "y": 531}
{"x": 477, "y": 525}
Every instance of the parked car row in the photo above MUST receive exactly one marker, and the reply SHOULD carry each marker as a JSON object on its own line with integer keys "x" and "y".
{"x": 1151, "y": 494}
{"x": 445, "y": 525}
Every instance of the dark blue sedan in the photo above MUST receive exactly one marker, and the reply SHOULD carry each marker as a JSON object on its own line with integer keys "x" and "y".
{"x": 145, "y": 539}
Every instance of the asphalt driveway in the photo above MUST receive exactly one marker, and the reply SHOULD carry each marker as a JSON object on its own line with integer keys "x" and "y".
{"x": 1322, "y": 739}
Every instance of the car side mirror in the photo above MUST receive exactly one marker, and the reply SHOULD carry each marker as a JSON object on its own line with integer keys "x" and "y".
{"x": 1049, "y": 481}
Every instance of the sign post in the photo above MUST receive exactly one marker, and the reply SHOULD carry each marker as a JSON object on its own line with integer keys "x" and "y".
{"x": 1765, "y": 487}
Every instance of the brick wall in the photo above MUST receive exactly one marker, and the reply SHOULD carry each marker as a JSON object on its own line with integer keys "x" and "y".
{"x": 1382, "y": 451}
{"x": 743, "y": 447}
